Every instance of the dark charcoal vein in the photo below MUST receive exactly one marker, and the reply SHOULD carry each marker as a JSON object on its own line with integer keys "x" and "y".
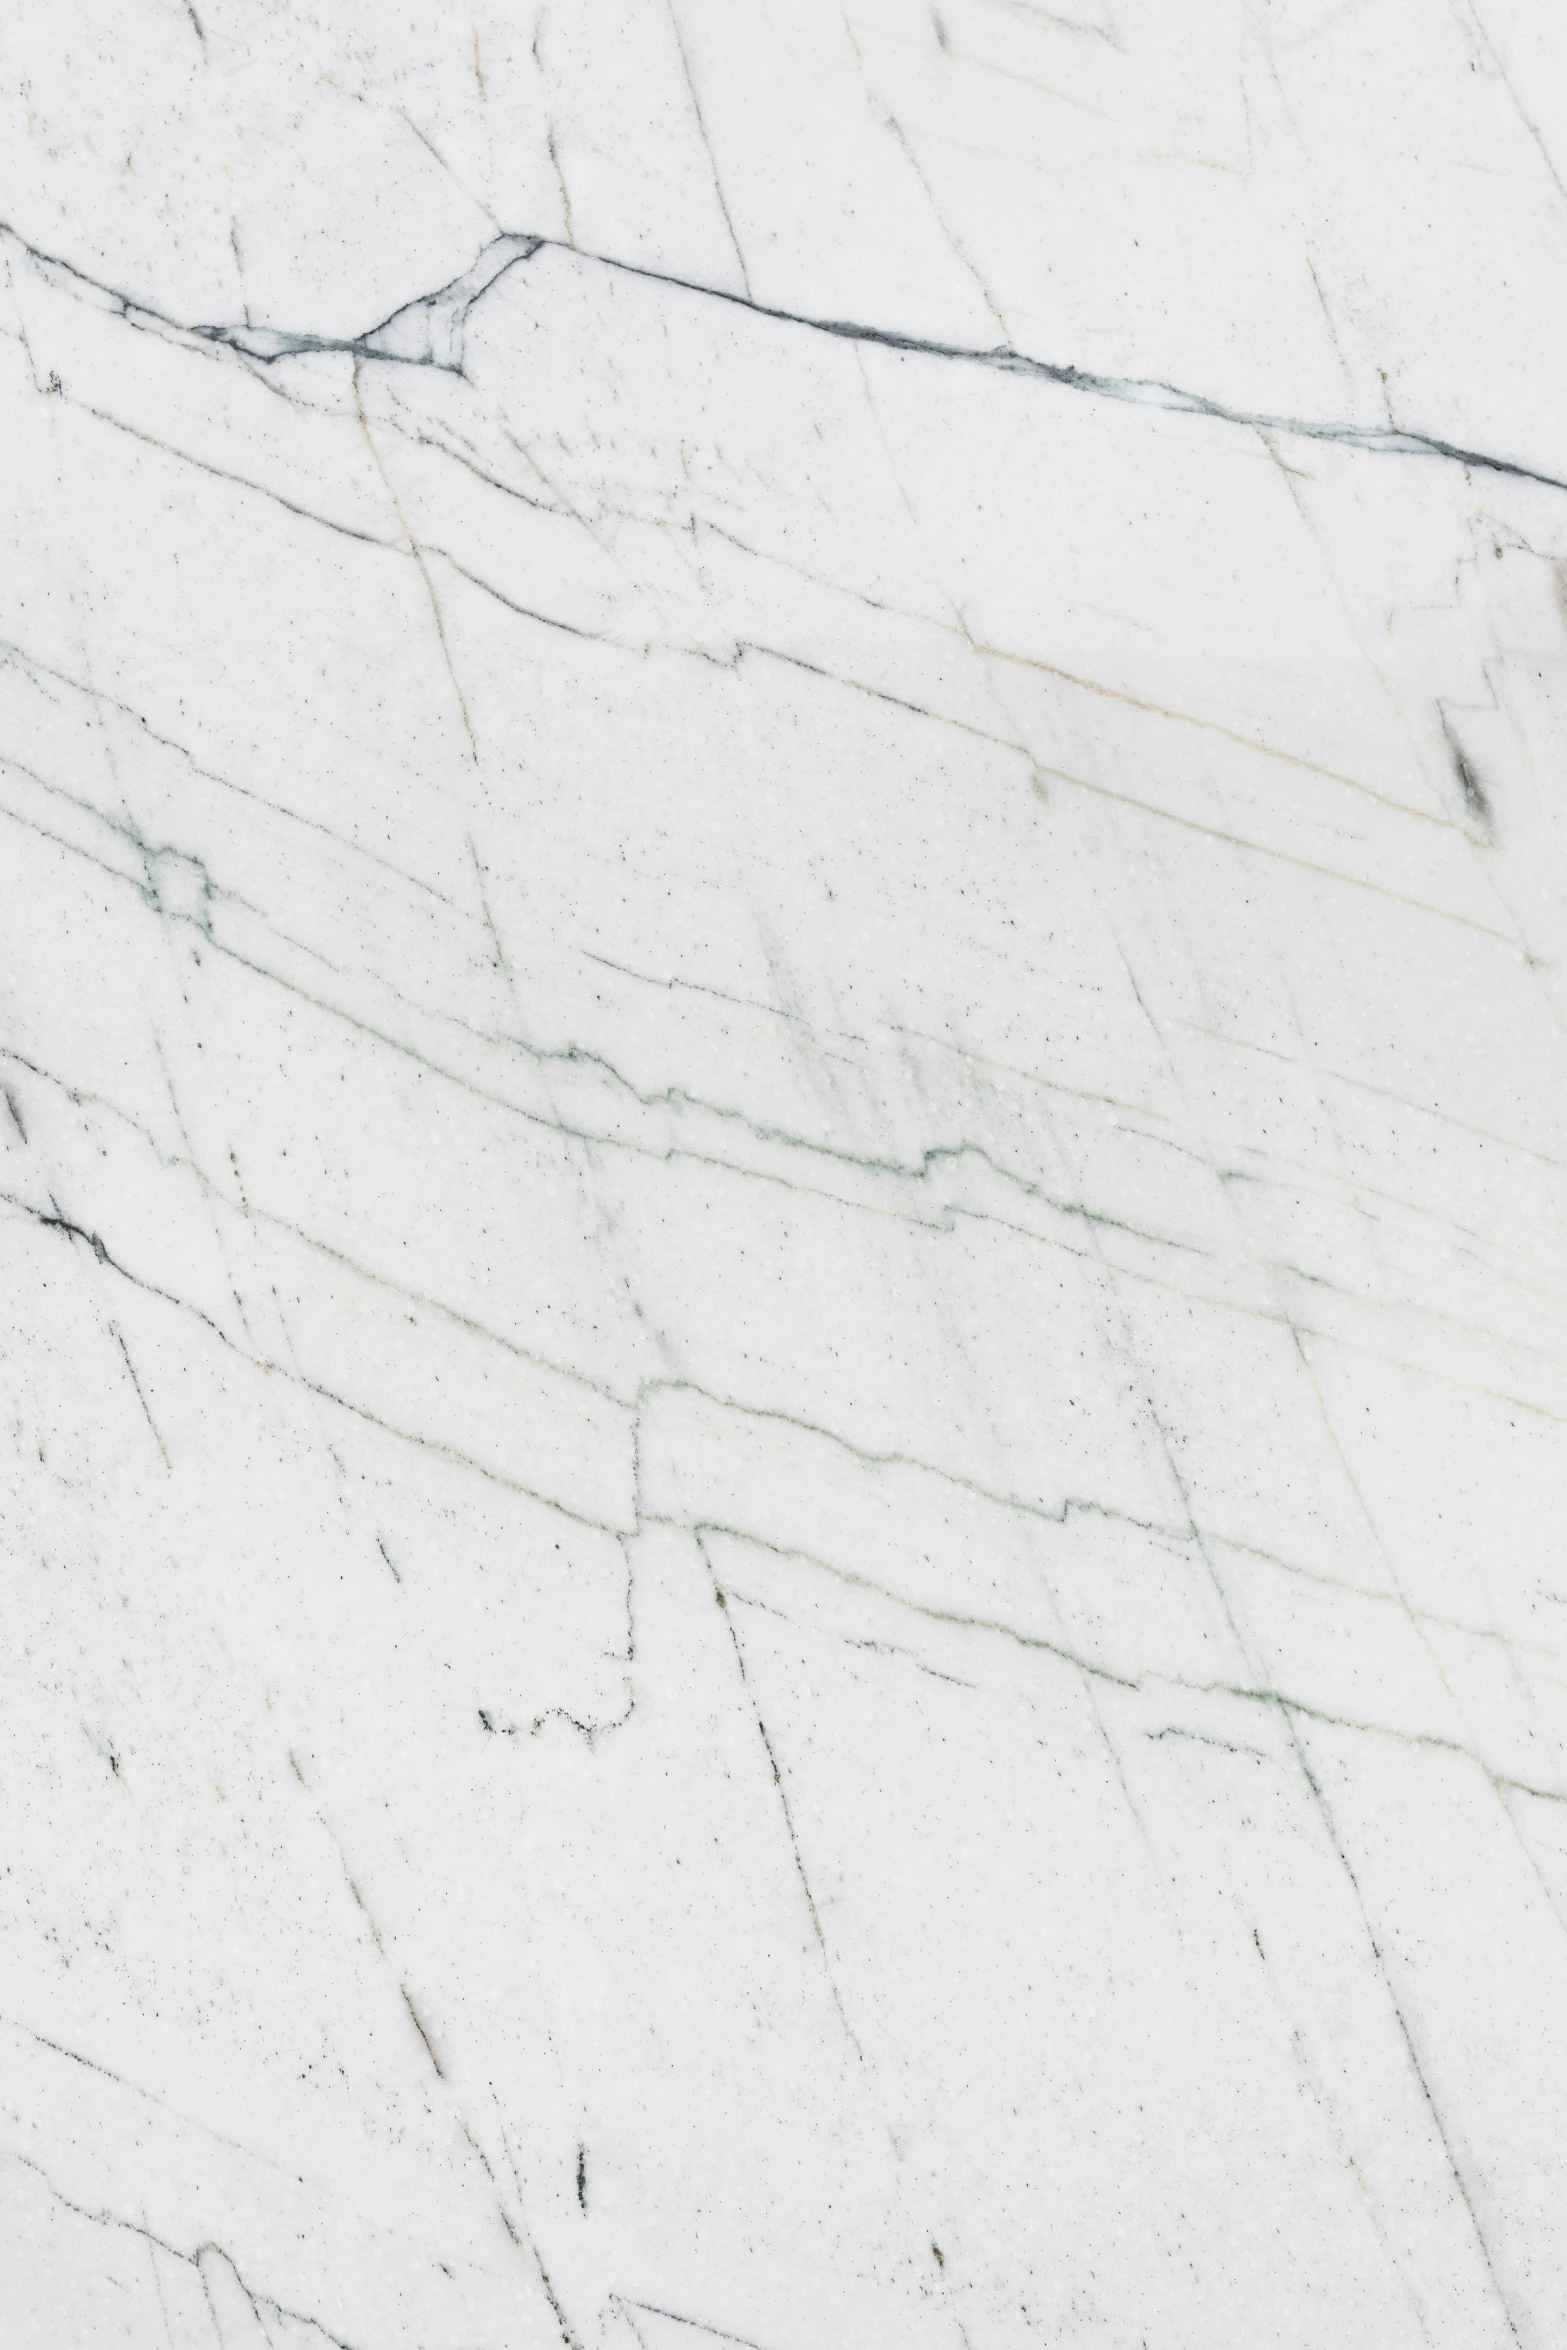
{"x": 429, "y": 332}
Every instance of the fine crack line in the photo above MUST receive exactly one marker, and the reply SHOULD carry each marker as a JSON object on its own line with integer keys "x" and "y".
{"x": 698, "y": 2325}
{"x": 1138, "y": 1682}
{"x": 430, "y": 332}
{"x": 674, "y": 1099}
{"x": 426, "y": 332}
{"x": 633, "y": 1402}
{"x": 271, "y": 1367}
{"x": 112, "y": 2219}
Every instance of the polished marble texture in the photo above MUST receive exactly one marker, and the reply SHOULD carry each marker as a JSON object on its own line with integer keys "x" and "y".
{"x": 783, "y": 1505}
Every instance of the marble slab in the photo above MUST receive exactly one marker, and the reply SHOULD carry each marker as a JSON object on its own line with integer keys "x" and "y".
{"x": 783, "y": 1491}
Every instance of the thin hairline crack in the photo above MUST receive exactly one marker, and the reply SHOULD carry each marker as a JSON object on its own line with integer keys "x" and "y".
{"x": 430, "y": 331}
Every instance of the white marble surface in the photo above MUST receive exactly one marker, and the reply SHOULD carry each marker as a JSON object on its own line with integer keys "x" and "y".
{"x": 784, "y": 1499}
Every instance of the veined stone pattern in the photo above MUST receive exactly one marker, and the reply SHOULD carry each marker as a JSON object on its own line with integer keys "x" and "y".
{"x": 783, "y": 1488}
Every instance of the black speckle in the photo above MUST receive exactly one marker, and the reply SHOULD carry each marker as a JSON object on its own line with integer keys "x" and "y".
{"x": 582, "y": 2177}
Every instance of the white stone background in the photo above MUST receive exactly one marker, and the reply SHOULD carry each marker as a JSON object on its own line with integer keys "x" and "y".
{"x": 782, "y": 1476}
